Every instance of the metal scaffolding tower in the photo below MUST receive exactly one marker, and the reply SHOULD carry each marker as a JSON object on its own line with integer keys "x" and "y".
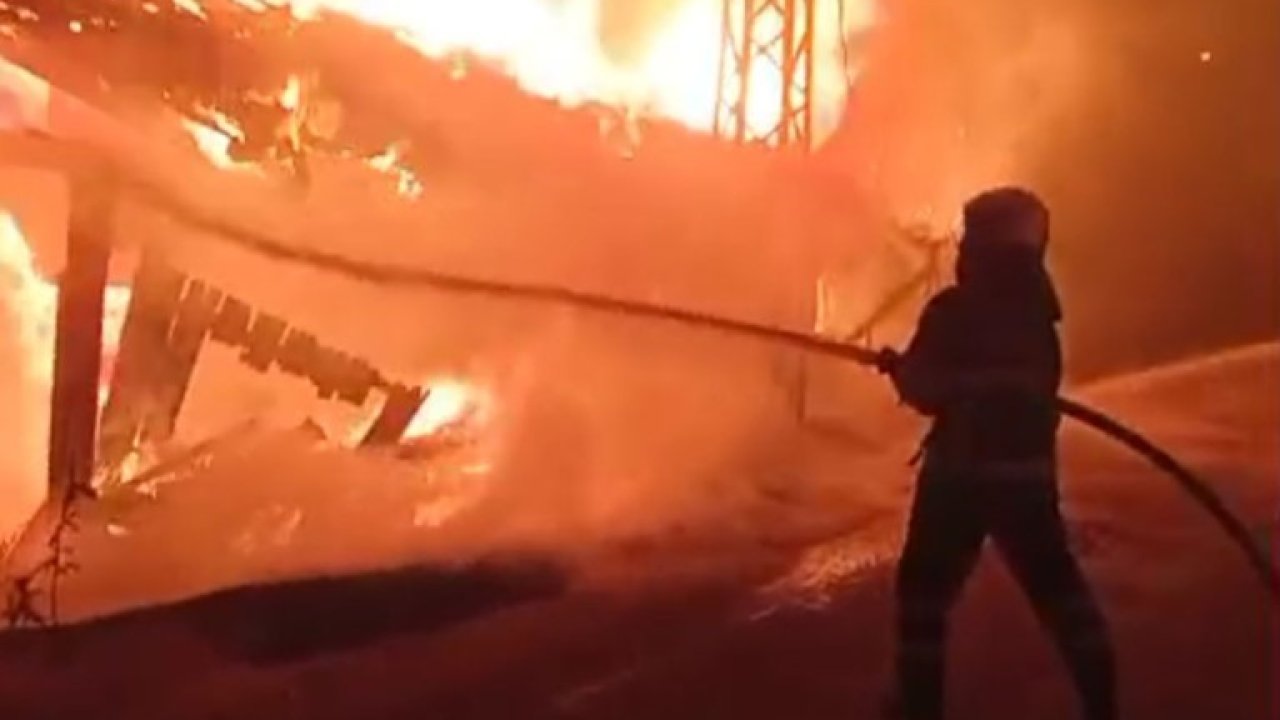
{"x": 764, "y": 90}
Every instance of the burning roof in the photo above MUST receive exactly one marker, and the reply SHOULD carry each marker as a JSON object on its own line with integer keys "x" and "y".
{"x": 308, "y": 89}
{"x": 493, "y": 177}
{"x": 310, "y": 71}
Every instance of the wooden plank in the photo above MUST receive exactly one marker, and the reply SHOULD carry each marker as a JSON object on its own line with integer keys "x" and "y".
{"x": 78, "y": 346}
{"x": 191, "y": 325}
{"x": 143, "y": 344}
{"x": 397, "y": 413}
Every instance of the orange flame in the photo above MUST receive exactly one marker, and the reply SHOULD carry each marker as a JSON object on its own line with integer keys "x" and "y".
{"x": 192, "y": 7}
{"x": 34, "y": 299}
{"x": 449, "y": 401}
{"x": 213, "y": 144}
{"x": 291, "y": 95}
{"x": 388, "y": 163}
{"x": 553, "y": 48}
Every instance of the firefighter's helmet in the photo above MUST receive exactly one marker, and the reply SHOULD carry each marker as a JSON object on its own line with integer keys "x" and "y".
{"x": 1010, "y": 217}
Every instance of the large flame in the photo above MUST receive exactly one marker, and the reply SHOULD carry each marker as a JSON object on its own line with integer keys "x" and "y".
{"x": 32, "y": 300}
{"x": 448, "y": 402}
{"x": 553, "y": 48}
{"x": 28, "y": 311}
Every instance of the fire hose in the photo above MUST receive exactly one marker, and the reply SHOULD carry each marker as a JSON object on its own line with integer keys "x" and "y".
{"x": 1195, "y": 487}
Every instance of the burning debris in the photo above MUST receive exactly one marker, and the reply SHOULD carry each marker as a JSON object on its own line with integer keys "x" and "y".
{"x": 278, "y": 101}
{"x": 28, "y": 303}
{"x": 449, "y": 402}
{"x": 286, "y": 101}
{"x": 166, "y": 330}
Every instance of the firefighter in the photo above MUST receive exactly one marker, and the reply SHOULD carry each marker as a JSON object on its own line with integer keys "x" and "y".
{"x": 985, "y": 365}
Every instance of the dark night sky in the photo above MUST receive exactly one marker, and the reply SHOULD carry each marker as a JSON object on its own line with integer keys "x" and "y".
{"x": 1167, "y": 184}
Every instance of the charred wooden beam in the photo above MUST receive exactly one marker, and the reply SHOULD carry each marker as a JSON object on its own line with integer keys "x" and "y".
{"x": 165, "y": 329}
{"x": 397, "y": 413}
{"x": 196, "y": 311}
{"x": 77, "y": 356}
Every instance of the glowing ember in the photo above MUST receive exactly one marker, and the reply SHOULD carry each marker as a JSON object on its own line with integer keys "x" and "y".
{"x": 214, "y": 140}
{"x": 386, "y": 160}
{"x": 291, "y": 96}
{"x": 31, "y": 299}
{"x": 225, "y": 125}
{"x": 192, "y": 7}
{"x": 448, "y": 403}
{"x": 258, "y": 5}
{"x": 212, "y": 143}
{"x": 388, "y": 163}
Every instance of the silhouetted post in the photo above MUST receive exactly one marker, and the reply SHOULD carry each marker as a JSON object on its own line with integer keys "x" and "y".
{"x": 397, "y": 414}
{"x": 77, "y": 359}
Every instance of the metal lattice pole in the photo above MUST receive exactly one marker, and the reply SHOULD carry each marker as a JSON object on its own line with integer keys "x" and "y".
{"x": 764, "y": 89}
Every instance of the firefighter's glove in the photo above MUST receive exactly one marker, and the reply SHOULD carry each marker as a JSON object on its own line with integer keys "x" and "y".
{"x": 887, "y": 360}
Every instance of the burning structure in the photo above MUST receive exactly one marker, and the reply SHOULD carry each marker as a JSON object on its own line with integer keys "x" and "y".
{"x": 488, "y": 153}
{"x": 623, "y": 144}
{"x": 281, "y": 222}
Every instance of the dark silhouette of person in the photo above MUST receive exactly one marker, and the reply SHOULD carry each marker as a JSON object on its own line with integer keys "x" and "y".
{"x": 985, "y": 365}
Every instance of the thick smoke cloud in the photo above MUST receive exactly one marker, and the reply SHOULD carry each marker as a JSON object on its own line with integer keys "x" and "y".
{"x": 1151, "y": 131}
{"x": 610, "y": 431}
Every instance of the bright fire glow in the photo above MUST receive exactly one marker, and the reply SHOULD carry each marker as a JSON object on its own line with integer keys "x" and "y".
{"x": 191, "y": 6}
{"x": 213, "y": 137}
{"x": 388, "y": 163}
{"x": 682, "y": 65}
{"x": 213, "y": 144}
{"x": 291, "y": 95}
{"x": 34, "y": 302}
{"x": 448, "y": 402}
{"x": 31, "y": 300}
{"x": 553, "y": 48}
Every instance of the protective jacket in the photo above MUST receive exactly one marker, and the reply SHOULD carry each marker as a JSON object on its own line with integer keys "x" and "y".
{"x": 986, "y": 364}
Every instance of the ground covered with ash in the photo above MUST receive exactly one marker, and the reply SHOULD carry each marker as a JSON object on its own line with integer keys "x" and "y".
{"x": 766, "y": 617}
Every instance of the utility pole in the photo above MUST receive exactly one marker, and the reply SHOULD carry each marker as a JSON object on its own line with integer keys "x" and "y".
{"x": 765, "y": 86}
{"x": 764, "y": 96}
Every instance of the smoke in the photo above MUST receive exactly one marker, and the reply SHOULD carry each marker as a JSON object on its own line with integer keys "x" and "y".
{"x": 954, "y": 98}
{"x": 600, "y": 441}
{"x": 1151, "y": 135}
{"x": 1164, "y": 184}
{"x": 603, "y": 431}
